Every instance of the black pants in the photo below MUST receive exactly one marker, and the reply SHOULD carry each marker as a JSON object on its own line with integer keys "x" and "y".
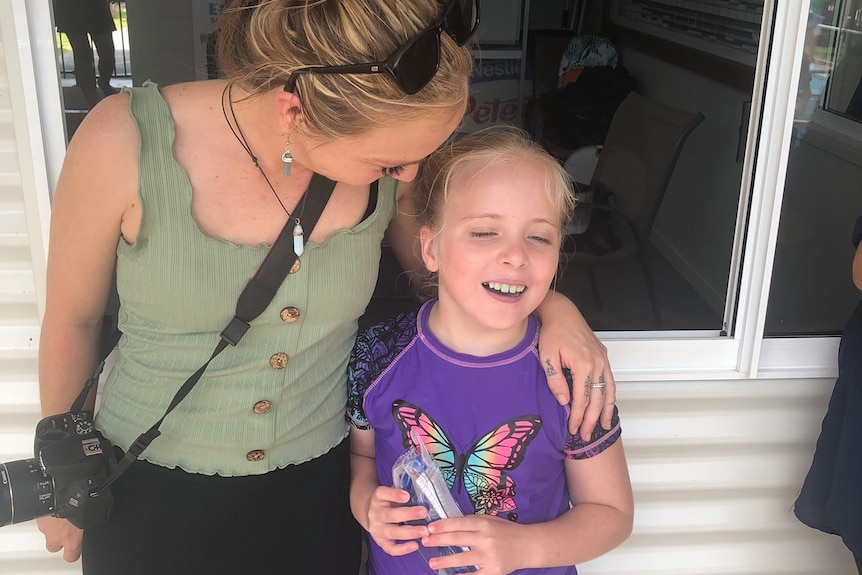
{"x": 167, "y": 521}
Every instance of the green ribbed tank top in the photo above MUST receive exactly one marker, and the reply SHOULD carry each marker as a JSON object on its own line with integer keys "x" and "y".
{"x": 178, "y": 289}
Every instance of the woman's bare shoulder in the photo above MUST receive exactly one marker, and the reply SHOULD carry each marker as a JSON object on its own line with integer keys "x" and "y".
{"x": 101, "y": 160}
{"x": 107, "y": 125}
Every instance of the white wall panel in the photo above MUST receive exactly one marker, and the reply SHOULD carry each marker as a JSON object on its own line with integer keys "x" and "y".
{"x": 716, "y": 467}
{"x": 22, "y": 548}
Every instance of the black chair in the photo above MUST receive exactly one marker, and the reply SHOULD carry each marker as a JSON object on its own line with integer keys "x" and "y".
{"x": 634, "y": 168}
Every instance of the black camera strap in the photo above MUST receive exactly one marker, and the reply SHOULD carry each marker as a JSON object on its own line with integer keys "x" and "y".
{"x": 110, "y": 335}
{"x": 253, "y": 300}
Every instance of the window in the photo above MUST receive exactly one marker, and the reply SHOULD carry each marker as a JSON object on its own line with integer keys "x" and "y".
{"x": 716, "y": 228}
{"x": 838, "y": 58}
{"x": 812, "y": 292}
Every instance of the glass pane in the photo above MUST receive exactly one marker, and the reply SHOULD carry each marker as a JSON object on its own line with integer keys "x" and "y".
{"x": 95, "y": 64}
{"x": 670, "y": 269}
{"x": 811, "y": 291}
{"x": 841, "y": 51}
{"x": 691, "y": 57}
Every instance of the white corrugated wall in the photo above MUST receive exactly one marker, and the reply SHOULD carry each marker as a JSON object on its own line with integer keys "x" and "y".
{"x": 23, "y": 220}
{"x": 716, "y": 465}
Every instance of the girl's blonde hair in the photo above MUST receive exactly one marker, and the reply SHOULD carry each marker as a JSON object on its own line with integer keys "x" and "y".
{"x": 260, "y": 42}
{"x": 486, "y": 149}
{"x": 489, "y": 148}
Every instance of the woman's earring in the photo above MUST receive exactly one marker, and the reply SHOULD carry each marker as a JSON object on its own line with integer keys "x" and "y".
{"x": 287, "y": 158}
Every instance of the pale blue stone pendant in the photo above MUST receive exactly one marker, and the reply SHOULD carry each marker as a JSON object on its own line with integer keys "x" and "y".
{"x": 287, "y": 160}
{"x": 298, "y": 243}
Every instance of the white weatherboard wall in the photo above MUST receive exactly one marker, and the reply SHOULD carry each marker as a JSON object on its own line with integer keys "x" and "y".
{"x": 24, "y": 209}
{"x": 716, "y": 465}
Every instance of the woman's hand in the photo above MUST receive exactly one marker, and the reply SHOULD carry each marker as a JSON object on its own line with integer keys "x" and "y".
{"x": 495, "y": 545}
{"x": 61, "y": 535}
{"x": 567, "y": 342}
{"x": 385, "y": 514}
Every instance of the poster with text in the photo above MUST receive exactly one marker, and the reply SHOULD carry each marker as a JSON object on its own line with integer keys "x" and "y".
{"x": 205, "y": 15}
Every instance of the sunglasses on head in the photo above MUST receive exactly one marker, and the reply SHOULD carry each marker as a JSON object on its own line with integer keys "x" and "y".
{"x": 413, "y": 65}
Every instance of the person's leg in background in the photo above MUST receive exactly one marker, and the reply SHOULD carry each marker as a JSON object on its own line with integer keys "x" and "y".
{"x": 104, "y": 43}
{"x": 85, "y": 71}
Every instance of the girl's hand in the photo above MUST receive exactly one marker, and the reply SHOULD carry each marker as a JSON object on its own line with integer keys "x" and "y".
{"x": 566, "y": 341}
{"x": 61, "y": 535}
{"x": 385, "y": 515}
{"x": 495, "y": 545}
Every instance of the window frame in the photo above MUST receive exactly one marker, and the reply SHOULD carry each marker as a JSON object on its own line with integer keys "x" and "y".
{"x": 829, "y": 121}
{"x": 43, "y": 61}
{"x": 839, "y": 32}
{"x": 659, "y": 355}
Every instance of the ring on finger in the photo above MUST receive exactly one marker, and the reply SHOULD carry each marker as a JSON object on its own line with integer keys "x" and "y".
{"x": 600, "y": 385}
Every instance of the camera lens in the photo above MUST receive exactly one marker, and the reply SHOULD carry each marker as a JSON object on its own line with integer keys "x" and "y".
{"x": 26, "y": 492}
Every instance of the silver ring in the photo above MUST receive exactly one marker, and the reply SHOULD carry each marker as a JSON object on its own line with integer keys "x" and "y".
{"x": 597, "y": 385}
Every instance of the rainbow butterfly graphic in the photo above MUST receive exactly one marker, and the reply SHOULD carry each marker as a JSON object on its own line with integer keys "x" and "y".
{"x": 482, "y": 470}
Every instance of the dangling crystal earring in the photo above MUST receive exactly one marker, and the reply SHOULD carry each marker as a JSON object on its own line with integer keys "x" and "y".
{"x": 287, "y": 158}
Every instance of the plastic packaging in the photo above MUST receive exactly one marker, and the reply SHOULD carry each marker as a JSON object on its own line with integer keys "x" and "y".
{"x": 416, "y": 473}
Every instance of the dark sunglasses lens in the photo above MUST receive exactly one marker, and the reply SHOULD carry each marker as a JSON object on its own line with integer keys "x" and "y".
{"x": 462, "y": 20}
{"x": 418, "y": 64}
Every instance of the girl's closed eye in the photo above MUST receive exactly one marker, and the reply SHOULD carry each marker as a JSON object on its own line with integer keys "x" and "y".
{"x": 541, "y": 239}
{"x": 482, "y": 234}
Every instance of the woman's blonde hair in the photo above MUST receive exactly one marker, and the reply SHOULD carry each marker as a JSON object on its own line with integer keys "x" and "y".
{"x": 488, "y": 148}
{"x": 260, "y": 42}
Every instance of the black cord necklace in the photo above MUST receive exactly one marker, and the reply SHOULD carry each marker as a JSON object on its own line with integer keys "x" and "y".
{"x": 298, "y": 239}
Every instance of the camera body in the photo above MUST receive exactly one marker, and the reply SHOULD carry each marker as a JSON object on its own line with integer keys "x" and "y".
{"x": 72, "y": 460}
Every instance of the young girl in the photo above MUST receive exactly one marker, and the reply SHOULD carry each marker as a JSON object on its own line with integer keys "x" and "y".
{"x": 462, "y": 373}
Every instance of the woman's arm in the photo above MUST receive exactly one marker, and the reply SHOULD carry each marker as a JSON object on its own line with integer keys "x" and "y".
{"x": 95, "y": 192}
{"x": 403, "y": 233}
{"x": 566, "y": 341}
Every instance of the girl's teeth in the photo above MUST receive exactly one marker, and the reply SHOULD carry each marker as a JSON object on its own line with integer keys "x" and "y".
{"x": 505, "y": 288}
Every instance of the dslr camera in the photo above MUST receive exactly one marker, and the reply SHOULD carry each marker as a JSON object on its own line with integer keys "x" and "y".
{"x": 72, "y": 460}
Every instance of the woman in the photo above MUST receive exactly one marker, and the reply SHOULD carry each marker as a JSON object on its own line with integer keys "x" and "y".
{"x": 252, "y": 469}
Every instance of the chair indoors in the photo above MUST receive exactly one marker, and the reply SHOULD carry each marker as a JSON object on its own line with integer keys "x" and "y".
{"x": 631, "y": 176}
